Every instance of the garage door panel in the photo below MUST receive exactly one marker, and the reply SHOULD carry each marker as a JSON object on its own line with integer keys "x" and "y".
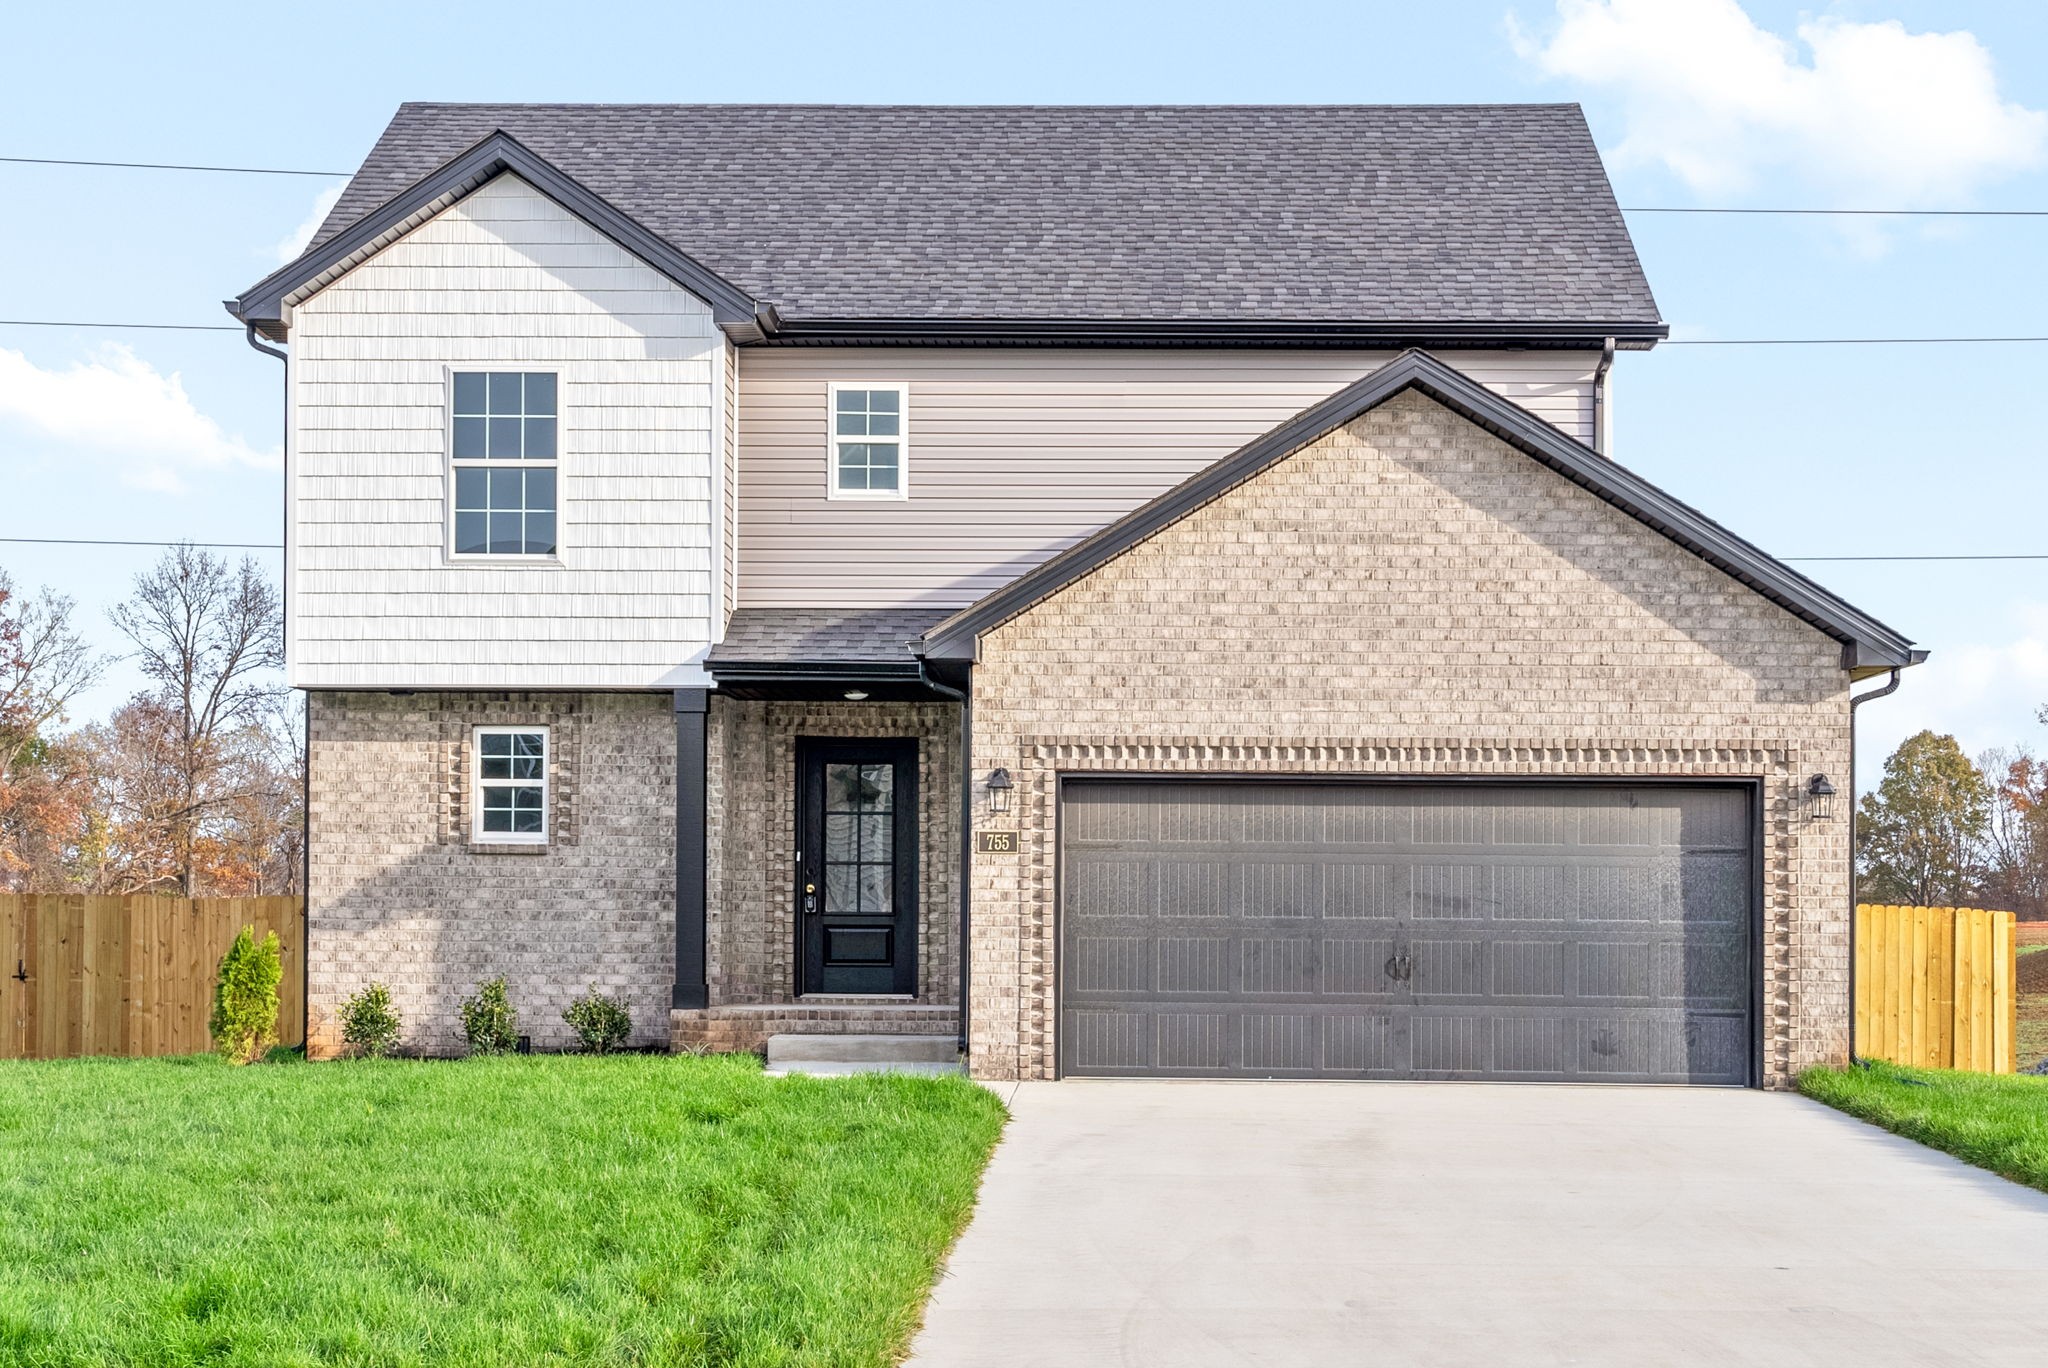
{"x": 1358, "y": 930}
{"x": 1358, "y": 968}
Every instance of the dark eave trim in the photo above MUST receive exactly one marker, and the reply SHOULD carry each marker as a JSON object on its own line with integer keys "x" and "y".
{"x": 262, "y": 306}
{"x": 1637, "y": 335}
{"x": 787, "y": 671}
{"x": 1866, "y": 642}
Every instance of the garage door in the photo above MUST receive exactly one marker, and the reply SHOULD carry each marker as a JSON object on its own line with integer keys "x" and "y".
{"x": 1253, "y": 929}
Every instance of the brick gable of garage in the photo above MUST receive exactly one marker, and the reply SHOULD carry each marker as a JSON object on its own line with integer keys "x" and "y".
{"x": 1410, "y": 594}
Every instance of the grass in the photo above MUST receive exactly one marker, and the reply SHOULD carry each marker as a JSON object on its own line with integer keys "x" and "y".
{"x": 520, "y": 1211}
{"x": 1995, "y": 1121}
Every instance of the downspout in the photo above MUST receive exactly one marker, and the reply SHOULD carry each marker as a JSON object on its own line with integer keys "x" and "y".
{"x": 306, "y": 726}
{"x": 966, "y": 702}
{"x": 1600, "y": 396}
{"x": 1856, "y": 701}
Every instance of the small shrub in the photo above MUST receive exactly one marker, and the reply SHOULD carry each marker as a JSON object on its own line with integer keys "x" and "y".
{"x": 489, "y": 1021}
{"x": 369, "y": 1023}
{"x": 601, "y": 1023}
{"x": 244, "y": 1020}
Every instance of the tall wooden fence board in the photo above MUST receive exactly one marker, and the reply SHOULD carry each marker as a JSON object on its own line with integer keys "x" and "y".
{"x": 1937, "y": 987}
{"x": 131, "y": 976}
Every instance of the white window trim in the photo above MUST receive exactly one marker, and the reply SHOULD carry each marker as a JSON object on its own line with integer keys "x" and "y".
{"x": 902, "y": 489}
{"x": 449, "y": 554}
{"x": 477, "y": 782}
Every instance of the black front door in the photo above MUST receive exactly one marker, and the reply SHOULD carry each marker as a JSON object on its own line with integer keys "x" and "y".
{"x": 857, "y": 866}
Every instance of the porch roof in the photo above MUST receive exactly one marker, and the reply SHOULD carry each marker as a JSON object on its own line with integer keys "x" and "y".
{"x": 768, "y": 652}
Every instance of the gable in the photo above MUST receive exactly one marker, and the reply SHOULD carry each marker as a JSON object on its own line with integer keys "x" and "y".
{"x": 1866, "y": 643}
{"x": 265, "y": 306}
{"x": 1407, "y": 574}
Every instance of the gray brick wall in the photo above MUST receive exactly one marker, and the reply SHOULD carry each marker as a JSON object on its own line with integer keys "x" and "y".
{"x": 399, "y": 894}
{"x": 1411, "y": 596}
{"x": 751, "y": 795}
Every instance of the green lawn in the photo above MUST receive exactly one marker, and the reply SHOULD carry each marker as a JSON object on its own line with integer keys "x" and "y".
{"x": 521, "y": 1211}
{"x": 1995, "y": 1121}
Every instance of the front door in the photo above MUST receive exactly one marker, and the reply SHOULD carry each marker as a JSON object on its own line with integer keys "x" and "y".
{"x": 857, "y": 866}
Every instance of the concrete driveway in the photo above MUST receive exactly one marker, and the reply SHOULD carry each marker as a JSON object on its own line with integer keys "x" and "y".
{"x": 1296, "y": 1224}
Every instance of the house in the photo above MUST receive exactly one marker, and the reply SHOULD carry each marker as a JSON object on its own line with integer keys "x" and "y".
{"x": 1159, "y": 568}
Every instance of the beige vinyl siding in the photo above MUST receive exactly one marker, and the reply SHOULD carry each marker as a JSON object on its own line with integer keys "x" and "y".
{"x": 504, "y": 279}
{"x": 1017, "y": 453}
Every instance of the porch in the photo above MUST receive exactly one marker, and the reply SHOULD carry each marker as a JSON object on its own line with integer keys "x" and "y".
{"x": 830, "y": 820}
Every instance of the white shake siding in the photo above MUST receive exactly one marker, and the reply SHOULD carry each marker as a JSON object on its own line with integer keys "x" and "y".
{"x": 508, "y": 280}
{"x": 1017, "y": 453}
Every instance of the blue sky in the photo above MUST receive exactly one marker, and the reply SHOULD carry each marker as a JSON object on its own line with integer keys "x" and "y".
{"x": 1805, "y": 450}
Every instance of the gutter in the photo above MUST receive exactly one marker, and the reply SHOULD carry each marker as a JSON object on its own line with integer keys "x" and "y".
{"x": 966, "y": 701}
{"x": 1856, "y": 701}
{"x": 1599, "y": 442}
{"x": 306, "y": 740}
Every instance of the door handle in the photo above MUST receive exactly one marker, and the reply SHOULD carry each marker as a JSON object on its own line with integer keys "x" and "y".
{"x": 1400, "y": 968}
{"x": 810, "y": 900}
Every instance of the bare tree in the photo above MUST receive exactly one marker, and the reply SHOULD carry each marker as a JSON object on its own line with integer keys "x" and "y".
{"x": 44, "y": 664}
{"x": 45, "y": 793}
{"x": 209, "y": 637}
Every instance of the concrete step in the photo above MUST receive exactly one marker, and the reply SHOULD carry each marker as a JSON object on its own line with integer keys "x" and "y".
{"x": 792, "y": 1048}
{"x": 823, "y": 1068}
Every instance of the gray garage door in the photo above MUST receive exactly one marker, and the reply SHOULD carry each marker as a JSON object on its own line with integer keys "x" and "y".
{"x": 1275, "y": 930}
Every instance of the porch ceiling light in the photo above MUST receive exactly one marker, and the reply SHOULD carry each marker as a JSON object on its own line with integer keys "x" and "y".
{"x": 855, "y": 695}
{"x": 1820, "y": 797}
{"x": 999, "y": 787}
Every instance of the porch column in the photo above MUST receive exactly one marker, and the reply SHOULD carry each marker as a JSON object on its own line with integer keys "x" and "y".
{"x": 691, "y": 990}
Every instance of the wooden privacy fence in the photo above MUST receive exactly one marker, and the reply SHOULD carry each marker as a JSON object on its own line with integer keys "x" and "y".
{"x": 131, "y": 976}
{"x": 1937, "y": 987}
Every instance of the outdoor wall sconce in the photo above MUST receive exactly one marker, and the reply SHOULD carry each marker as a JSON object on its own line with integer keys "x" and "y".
{"x": 1820, "y": 797}
{"x": 999, "y": 787}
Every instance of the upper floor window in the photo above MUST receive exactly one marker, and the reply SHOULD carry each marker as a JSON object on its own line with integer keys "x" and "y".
{"x": 869, "y": 441}
{"x": 502, "y": 443}
{"x": 510, "y": 786}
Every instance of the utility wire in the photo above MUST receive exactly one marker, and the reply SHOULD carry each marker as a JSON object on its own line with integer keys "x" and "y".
{"x": 84, "y": 541}
{"x": 1669, "y": 342}
{"x": 1874, "y": 213}
{"x": 279, "y": 546}
{"x": 1626, "y": 209}
{"x": 169, "y": 327}
{"x": 168, "y": 166}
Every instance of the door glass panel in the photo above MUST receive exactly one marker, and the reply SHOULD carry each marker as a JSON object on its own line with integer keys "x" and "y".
{"x": 860, "y": 838}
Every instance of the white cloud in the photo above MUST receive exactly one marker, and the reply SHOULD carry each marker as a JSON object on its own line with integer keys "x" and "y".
{"x": 119, "y": 405}
{"x": 1865, "y": 114}
{"x": 1983, "y": 693}
{"x": 290, "y": 246}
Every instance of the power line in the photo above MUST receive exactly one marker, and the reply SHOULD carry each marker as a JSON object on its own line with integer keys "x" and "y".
{"x": 1669, "y": 342}
{"x": 279, "y": 546}
{"x": 83, "y": 541}
{"x": 170, "y": 166}
{"x": 1626, "y": 209}
{"x": 1874, "y": 213}
{"x": 2024, "y": 556}
{"x": 1834, "y": 341}
{"x": 168, "y": 327}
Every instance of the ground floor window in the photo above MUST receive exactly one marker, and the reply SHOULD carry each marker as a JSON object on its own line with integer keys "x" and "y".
{"x": 510, "y": 785}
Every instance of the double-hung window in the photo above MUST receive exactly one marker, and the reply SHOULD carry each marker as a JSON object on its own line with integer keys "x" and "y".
{"x": 870, "y": 441}
{"x": 503, "y": 444}
{"x": 509, "y": 789}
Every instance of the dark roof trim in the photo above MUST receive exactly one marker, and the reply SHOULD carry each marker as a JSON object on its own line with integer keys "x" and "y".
{"x": 262, "y": 306}
{"x": 1867, "y": 643}
{"x": 761, "y": 671}
{"x": 1637, "y": 335}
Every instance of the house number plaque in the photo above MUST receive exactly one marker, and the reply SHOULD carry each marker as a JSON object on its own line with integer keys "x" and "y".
{"x": 995, "y": 842}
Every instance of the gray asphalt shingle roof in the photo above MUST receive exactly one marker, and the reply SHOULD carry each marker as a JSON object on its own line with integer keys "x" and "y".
{"x": 786, "y": 636}
{"x": 1453, "y": 214}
